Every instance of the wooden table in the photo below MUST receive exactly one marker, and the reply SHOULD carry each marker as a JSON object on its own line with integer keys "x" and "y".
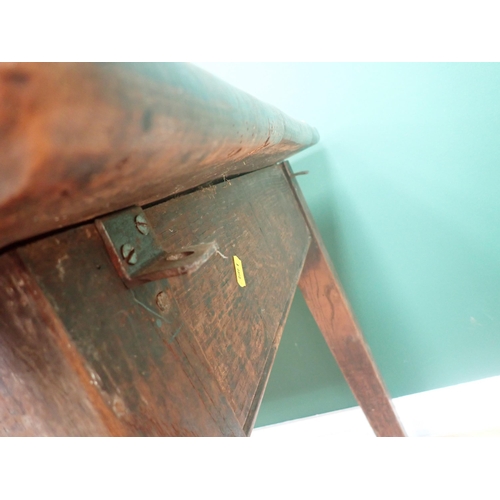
{"x": 152, "y": 239}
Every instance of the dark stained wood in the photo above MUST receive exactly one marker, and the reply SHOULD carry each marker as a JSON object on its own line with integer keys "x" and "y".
{"x": 259, "y": 393}
{"x": 41, "y": 391}
{"x": 81, "y": 140}
{"x": 144, "y": 361}
{"x": 189, "y": 361}
{"x": 256, "y": 218}
{"x": 330, "y": 308}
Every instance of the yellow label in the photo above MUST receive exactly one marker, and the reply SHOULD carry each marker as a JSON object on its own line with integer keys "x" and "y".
{"x": 238, "y": 267}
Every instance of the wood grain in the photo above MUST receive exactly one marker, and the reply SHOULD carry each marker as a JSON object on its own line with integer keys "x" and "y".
{"x": 197, "y": 365}
{"x": 256, "y": 218}
{"x": 259, "y": 393}
{"x": 144, "y": 361}
{"x": 81, "y": 140}
{"x": 40, "y": 392}
{"x": 330, "y": 308}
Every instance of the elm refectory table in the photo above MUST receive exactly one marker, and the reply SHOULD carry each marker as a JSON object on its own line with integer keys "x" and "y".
{"x": 151, "y": 240}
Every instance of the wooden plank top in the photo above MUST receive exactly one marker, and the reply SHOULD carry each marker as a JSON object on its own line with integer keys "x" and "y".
{"x": 78, "y": 140}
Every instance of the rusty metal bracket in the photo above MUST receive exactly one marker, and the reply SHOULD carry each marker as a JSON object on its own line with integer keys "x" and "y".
{"x": 138, "y": 256}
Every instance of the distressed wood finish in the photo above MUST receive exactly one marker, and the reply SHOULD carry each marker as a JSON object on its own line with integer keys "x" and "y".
{"x": 41, "y": 394}
{"x": 259, "y": 393}
{"x": 82, "y": 354}
{"x": 81, "y": 140}
{"x": 195, "y": 365}
{"x": 143, "y": 361}
{"x": 256, "y": 218}
{"x": 330, "y": 308}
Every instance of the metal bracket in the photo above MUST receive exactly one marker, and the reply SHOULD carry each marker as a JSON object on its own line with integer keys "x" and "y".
{"x": 138, "y": 256}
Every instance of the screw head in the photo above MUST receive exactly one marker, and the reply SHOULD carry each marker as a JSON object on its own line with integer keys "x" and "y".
{"x": 162, "y": 301}
{"x": 129, "y": 254}
{"x": 141, "y": 224}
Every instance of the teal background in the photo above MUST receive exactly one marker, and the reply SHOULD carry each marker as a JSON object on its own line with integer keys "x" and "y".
{"x": 404, "y": 185}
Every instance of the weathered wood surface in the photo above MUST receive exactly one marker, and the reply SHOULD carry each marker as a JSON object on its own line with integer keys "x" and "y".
{"x": 256, "y": 218}
{"x": 330, "y": 308}
{"x": 261, "y": 388}
{"x": 143, "y": 361}
{"x": 192, "y": 362}
{"x": 41, "y": 394}
{"x": 78, "y": 140}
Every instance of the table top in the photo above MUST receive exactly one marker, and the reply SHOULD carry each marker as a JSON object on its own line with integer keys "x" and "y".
{"x": 79, "y": 140}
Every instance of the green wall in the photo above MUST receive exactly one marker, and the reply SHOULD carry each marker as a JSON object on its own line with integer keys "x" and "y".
{"x": 405, "y": 187}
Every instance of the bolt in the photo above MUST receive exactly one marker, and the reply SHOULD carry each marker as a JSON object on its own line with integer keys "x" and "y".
{"x": 129, "y": 254}
{"x": 162, "y": 301}
{"x": 141, "y": 224}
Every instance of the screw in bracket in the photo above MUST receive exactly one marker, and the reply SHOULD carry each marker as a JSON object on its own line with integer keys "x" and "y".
{"x": 129, "y": 254}
{"x": 141, "y": 224}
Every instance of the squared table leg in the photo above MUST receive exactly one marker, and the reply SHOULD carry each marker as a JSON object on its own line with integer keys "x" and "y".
{"x": 329, "y": 307}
